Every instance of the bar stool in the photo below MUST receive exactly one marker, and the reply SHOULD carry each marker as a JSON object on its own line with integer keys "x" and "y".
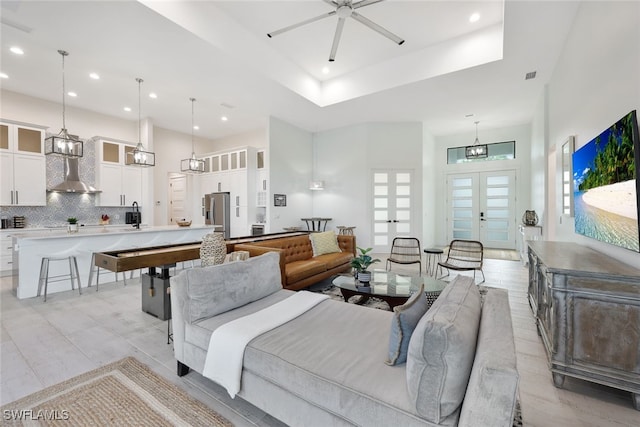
{"x": 434, "y": 255}
{"x": 70, "y": 257}
{"x": 346, "y": 231}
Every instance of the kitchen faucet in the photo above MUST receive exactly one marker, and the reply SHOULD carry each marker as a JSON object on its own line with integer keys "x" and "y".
{"x": 136, "y": 209}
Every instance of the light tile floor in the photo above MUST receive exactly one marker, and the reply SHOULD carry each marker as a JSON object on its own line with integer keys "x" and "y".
{"x": 44, "y": 343}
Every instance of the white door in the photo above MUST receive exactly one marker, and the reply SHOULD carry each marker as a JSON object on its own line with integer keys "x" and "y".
{"x": 481, "y": 206}
{"x": 177, "y": 198}
{"x": 392, "y": 208}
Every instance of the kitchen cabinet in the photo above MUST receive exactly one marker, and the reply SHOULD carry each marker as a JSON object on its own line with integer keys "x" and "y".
{"x": 262, "y": 175}
{"x": 586, "y": 306}
{"x": 234, "y": 172}
{"x": 121, "y": 185}
{"x": 6, "y": 253}
{"x": 24, "y": 179}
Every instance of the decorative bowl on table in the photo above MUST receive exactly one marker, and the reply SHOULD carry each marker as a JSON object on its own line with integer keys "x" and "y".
{"x": 183, "y": 223}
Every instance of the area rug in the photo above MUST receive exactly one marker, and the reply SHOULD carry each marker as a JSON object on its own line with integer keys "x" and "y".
{"x": 123, "y": 393}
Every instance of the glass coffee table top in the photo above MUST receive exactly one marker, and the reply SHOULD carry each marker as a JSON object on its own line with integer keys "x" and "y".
{"x": 395, "y": 288}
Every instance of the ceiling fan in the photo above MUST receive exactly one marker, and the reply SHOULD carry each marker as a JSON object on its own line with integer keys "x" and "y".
{"x": 344, "y": 9}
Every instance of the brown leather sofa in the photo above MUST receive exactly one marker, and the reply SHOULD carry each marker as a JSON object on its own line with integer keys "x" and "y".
{"x": 298, "y": 266}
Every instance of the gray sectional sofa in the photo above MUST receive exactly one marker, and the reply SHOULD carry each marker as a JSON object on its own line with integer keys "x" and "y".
{"x": 327, "y": 366}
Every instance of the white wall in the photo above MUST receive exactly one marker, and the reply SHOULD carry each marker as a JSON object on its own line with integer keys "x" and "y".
{"x": 521, "y": 164}
{"x": 290, "y": 166}
{"x": 595, "y": 83}
{"x": 429, "y": 189}
{"x": 86, "y": 124}
{"x": 345, "y": 159}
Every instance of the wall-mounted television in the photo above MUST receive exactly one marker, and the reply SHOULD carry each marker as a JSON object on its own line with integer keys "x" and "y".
{"x": 605, "y": 183}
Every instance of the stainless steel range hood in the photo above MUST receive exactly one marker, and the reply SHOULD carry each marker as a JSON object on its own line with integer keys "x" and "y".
{"x": 72, "y": 183}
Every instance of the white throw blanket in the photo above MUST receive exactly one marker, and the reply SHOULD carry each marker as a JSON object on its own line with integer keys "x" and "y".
{"x": 226, "y": 346}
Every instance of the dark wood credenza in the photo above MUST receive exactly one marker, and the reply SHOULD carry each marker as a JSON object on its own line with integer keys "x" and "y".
{"x": 587, "y": 310}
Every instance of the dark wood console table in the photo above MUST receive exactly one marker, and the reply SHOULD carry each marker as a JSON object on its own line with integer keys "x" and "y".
{"x": 587, "y": 309}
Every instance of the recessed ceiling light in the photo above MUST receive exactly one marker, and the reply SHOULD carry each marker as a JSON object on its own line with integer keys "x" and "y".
{"x": 94, "y": 76}
{"x": 3, "y": 76}
{"x": 475, "y": 17}
{"x": 153, "y": 95}
{"x": 224, "y": 118}
{"x": 72, "y": 94}
{"x": 127, "y": 109}
{"x": 325, "y": 70}
{"x": 196, "y": 127}
{"x": 16, "y": 50}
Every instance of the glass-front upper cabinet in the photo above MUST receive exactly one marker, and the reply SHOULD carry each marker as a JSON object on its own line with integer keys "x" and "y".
{"x": 22, "y": 139}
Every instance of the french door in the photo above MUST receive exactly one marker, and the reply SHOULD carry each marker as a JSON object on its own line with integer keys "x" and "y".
{"x": 392, "y": 207}
{"x": 481, "y": 206}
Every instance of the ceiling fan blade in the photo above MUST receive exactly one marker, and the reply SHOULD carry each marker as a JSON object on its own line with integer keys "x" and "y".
{"x": 364, "y": 3}
{"x": 300, "y": 24}
{"x": 336, "y": 40}
{"x": 375, "y": 27}
{"x": 334, "y": 3}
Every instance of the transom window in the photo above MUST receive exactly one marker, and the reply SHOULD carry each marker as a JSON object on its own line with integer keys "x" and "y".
{"x": 495, "y": 151}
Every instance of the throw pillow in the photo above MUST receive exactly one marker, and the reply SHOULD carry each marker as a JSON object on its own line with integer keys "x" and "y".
{"x": 405, "y": 319}
{"x": 324, "y": 243}
{"x": 442, "y": 349}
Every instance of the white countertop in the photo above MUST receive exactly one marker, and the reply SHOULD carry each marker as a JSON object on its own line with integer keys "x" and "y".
{"x": 87, "y": 231}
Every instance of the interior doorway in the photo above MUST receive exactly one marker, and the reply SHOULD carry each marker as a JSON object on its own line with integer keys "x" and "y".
{"x": 481, "y": 206}
{"x": 392, "y": 207}
{"x": 177, "y": 197}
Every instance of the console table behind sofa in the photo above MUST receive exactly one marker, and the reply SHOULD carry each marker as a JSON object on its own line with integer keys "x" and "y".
{"x": 587, "y": 308}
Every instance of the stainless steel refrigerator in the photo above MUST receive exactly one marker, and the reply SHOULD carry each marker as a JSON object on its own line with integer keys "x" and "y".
{"x": 216, "y": 212}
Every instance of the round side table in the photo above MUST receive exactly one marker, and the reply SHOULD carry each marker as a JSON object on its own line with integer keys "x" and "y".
{"x": 434, "y": 255}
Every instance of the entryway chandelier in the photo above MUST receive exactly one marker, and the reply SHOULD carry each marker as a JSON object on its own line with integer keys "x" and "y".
{"x": 64, "y": 144}
{"x": 139, "y": 156}
{"x": 192, "y": 165}
{"x": 477, "y": 150}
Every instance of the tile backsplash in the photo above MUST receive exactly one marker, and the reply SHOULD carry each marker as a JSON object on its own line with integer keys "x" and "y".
{"x": 61, "y": 206}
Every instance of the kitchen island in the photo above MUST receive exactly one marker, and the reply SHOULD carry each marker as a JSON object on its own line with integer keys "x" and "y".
{"x": 29, "y": 248}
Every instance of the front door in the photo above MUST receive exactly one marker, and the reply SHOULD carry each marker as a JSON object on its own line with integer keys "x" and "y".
{"x": 481, "y": 206}
{"x": 392, "y": 208}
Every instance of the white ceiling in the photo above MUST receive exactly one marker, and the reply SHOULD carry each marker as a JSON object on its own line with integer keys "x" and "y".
{"x": 218, "y": 52}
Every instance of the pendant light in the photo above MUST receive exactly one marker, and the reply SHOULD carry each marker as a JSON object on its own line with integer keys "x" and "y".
{"x": 63, "y": 144}
{"x": 477, "y": 150}
{"x": 192, "y": 165}
{"x": 139, "y": 156}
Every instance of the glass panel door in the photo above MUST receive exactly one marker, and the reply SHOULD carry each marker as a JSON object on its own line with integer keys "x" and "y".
{"x": 497, "y": 209}
{"x": 392, "y": 208}
{"x": 481, "y": 206}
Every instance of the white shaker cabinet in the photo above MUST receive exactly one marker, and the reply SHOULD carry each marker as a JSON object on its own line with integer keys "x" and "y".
{"x": 121, "y": 185}
{"x": 24, "y": 179}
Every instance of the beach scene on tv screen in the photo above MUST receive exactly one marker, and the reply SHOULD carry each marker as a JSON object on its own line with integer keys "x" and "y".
{"x": 604, "y": 182}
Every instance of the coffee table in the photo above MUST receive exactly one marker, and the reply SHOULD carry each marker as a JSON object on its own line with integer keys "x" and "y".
{"x": 393, "y": 288}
